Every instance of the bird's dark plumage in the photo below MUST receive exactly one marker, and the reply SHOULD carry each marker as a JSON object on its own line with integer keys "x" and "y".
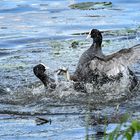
{"x": 110, "y": 72}
{"x": 95, "y": 50}
{"x": 39, "y": 71}
{"x": 94, "y": 66}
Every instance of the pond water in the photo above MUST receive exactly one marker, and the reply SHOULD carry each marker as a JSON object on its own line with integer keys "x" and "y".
{"x": 42, "y": 31}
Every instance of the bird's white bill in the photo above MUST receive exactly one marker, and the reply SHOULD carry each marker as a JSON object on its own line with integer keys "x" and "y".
{"x": 64, "y": 68}
{"x": 89, "y": 35}
{"x": 46, "y": 67}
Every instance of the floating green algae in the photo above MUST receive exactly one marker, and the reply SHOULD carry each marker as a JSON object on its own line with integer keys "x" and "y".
{"x": 120, "y": 32}
{"x": 74, "y": 44}
{"x": 90, "y": 5}
{"x": 13, "y": 66}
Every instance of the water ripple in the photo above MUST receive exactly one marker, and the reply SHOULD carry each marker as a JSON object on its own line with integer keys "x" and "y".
{"x": 18, "y": 9}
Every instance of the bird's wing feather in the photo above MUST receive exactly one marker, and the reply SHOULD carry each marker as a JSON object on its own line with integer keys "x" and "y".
{"x": 116, "y": 62}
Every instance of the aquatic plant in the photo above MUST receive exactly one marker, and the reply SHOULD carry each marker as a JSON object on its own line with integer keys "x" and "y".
{"x": 117, "y": 32}
{"x": 74, "y": 44}
{"x": 90, "y": 5}
{"x": 126, "y": 134}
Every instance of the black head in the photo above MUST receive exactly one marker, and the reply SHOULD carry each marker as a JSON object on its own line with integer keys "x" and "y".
{"x": 39, "y": 71}
{"x": 96, "y": 35}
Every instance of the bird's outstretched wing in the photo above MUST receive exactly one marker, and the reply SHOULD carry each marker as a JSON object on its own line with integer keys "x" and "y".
{"x": 116, "y": 62}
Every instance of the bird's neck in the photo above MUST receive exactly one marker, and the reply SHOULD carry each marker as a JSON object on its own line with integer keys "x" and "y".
{"x": 44, "y": 78}
{"x": 96, "y": 46}
{"x": 97, "y": 49}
